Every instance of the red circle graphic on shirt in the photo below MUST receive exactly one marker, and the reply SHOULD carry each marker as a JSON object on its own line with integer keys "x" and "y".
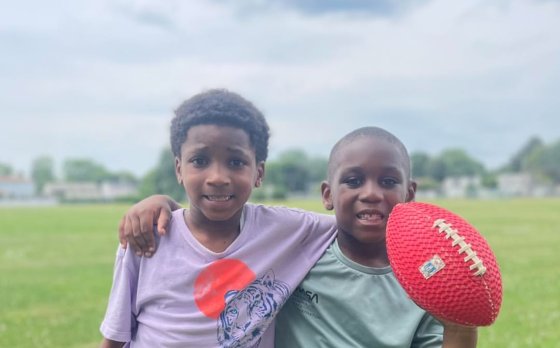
{"x": 212, "y": 284}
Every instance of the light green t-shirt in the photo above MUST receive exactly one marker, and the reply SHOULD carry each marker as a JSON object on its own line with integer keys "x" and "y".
{"x": 341, "y": 304}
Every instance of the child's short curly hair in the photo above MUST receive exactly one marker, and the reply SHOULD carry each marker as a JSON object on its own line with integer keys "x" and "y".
{"x": 368, "y": 132}
{"x": 223, "y": 108}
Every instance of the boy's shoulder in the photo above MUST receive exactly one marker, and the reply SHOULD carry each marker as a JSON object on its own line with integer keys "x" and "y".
{"x": 177, "y": 218}
{"x": 282, "y": 210}
{"x": 282, "y": 214}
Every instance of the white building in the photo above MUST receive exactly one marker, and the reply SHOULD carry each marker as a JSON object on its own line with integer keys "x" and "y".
{"x": 89, "y": 191}
{"x": 15, "y": 187}
{"x": 114, "y": 190}
{"x": 73, "y": 191}
{"x": 461, "y": 186}
{"x": 516, "y": 184}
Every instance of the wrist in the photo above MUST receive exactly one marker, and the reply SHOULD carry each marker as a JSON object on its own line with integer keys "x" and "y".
{"x": 172, "y": 203}
{"x": 459, "y": 336}
{"x": 458, "y": 327}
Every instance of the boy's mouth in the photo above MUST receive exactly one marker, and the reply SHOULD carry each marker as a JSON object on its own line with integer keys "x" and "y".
{"x": 218, "y": 198}
{"x": 370, "y": 215}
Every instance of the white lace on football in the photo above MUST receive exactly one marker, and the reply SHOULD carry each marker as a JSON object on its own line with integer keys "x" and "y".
{"x": 464, "y": 247}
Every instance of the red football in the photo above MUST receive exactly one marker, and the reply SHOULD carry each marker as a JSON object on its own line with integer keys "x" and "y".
{"x": 444, "y": 264}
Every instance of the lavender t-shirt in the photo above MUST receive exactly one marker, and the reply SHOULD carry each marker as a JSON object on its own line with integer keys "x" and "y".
{"x": 189, "y": 296}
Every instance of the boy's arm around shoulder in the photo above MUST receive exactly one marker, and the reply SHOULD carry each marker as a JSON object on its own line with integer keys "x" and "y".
{"x": 137, "y": 225}
{"x": 106, "y": 343}
{"x": 459, "y": 336}
{"x": 319, "y": 233}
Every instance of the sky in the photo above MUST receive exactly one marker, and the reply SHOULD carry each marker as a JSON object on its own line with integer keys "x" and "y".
{"x": 99, "y": 79}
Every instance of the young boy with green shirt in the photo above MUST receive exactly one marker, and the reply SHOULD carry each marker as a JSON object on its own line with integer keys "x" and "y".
{"x": 351, "y": 298}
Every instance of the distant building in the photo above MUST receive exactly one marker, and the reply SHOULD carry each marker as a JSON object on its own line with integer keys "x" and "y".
{"x": 461, "y": 186}
{"x": 15, "y": 187}
{"x": 72, "y": 191}
{"x": 115, "y": 190}
{"x": 89, "y": 191}
{"x": 516, "y": 184}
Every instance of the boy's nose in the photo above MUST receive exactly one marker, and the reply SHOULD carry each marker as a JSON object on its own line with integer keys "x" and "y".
{"x": 217, "y": 176}
{"x": 371, "y": 192}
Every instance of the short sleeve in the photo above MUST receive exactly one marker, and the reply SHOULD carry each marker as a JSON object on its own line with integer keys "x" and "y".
{"x": 119, "y": 323}
{"x": 429, "y": 333}
{"x": 321, "y": 234}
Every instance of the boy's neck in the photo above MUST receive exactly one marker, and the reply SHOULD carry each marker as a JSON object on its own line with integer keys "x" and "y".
{"x": 216, "y": 236}
{"x": 370, "y": 255}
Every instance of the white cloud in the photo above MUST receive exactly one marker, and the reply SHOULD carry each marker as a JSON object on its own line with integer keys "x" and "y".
{"x": 479, "y": 75}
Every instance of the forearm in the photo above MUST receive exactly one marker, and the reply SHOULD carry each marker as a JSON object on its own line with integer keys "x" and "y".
{"x": 457, "y": 336}
{"x": 111, "y": 344}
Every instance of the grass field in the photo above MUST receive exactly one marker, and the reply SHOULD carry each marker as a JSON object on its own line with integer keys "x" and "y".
{"x": 56, "y": 267}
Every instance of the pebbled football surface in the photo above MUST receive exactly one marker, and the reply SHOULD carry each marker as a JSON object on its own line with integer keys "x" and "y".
{"x": 444, "y": 264}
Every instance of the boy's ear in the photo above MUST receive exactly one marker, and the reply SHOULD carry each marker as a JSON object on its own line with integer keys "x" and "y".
{"x": 411, "y": 194}
{"x": 178, "y": 171}
{"x": 260, "y": 174}
{"x": 327, "y": 195}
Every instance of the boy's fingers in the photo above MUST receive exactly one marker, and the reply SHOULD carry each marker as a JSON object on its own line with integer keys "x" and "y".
{"x": 163, "y": 221}
{"x": 122, "y": 237}
{"x": 133, "y": 235}
{"x": 146, "y": 223}
{"x": 136, "y": 230}
{"x": 147, "y": 232}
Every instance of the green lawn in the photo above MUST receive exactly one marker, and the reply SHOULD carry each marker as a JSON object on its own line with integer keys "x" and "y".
{"x": 56, "y": 267}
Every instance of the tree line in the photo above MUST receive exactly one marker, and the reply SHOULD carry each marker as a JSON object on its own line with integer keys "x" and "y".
{"x": 295, "y": 172}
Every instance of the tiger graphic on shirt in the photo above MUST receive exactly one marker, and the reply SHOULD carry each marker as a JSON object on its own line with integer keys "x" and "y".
{"x": 249, "y": 312}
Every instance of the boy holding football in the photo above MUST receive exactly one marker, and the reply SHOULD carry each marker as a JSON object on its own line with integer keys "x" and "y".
{"x": 351, "y": 298}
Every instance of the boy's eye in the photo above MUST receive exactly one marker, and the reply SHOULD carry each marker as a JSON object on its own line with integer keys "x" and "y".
{"x": 198, "y": 161}
{"x": 353, "y": 181}
{"x": 389, "y": 182}
{"x": 237, "y": 163}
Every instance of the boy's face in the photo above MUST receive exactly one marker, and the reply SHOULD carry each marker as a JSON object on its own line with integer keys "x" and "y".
{"x": 218, "y": 170}
{"x": 370, "y": 177}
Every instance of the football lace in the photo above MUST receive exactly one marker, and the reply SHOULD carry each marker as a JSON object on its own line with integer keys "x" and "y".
{"x": 464, "y": 247}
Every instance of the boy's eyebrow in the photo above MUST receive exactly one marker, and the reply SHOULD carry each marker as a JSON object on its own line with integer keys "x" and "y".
{"x": 232, "y": 149}
{"x": 394, "y": 168}
{"x": 360, "y": 168}
{"x": 196, "y": 148}
{"x": 239, "y": 151}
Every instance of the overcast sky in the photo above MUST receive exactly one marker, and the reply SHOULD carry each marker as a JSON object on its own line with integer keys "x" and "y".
{"x": 100, "y": 79}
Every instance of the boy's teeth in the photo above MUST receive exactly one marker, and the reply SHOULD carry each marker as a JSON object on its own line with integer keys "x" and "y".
{"x": 219, "y": 198}
{"x": 367, "y": 216}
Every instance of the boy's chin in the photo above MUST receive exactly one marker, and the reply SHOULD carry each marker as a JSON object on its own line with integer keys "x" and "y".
{"x": 222, "y": 215}
{"x": 367, "y": 236}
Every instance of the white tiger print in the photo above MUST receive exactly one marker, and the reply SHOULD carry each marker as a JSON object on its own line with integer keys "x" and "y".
{"x": 249, "y": 312}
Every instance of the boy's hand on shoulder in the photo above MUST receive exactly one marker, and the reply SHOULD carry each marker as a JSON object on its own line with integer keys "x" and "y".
{"x": 137, "y": 225}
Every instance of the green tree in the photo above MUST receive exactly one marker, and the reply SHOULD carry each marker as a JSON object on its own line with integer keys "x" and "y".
{"x": 317, "y": 167}
{"x": 490, "y": 180}
{"x": 290, "y": 171}
{"x": 519, "y": 161}
{"x": 6, "y": 169}
{"x": 545, "y": 162}
{"x": 454, "y": 162}
{"x": 122, "y": 176}
{"x": 84, "y": 170}
{"x": 272, "y": 174}
{"x": 162, "y": 179}
{"x": 420, "y": 164}
{"x": 437, "y": 169}
{"x": 42, "y": 172}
